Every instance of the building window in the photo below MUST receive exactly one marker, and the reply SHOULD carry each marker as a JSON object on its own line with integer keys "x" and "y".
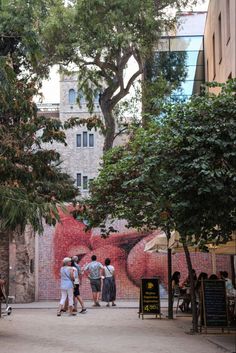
{"x": 85, "y": 139}
{"x": 91, "y": 180}
{"x": 78, "y": 180}
{"x": 214, "y": 56}
{"x": 72, "y": 96}
{"x": 82, "y": 181}
{"x": 207, "y": 70}
{"x": 220, "y": 38}
{"x": 85, "y": 183}
{"x": 78, "y": 140}
{"x": 230, "y": 76}
{"x": 181, "y": 60}
{"x": 91, "y": 140}
{"x": 228, "y": 25}
{"x": 81, "y": 97}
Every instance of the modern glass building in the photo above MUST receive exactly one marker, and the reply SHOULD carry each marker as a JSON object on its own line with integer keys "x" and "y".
{"x": 179, "y": 57}
{"x": 185, "y": 54}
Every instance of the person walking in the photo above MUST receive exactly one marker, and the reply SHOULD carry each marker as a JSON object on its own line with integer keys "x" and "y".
{"x": 67, "y": 285}
{"x": 93, "y": 269}
{"x": 109, "y": 283}
{"x": 77, "y": 283}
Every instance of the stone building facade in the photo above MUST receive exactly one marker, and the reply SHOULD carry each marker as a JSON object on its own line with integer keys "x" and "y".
{"x": 220, "y": 41}
{"x": 82, "y": 155}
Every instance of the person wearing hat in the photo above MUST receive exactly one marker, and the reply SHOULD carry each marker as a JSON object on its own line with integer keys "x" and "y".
{"x": 67, "y": 286}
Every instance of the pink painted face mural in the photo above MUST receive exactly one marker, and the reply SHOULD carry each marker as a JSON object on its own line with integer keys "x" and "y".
{"x": 125, "y": 249}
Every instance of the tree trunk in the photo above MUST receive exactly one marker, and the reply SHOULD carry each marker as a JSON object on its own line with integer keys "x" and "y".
{"x": 170, "y": 292}
{"x": 192, "y": 289}
{"x": 109, "y": 125}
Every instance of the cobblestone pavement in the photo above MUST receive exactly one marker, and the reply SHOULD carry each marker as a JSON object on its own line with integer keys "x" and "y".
{"x": 102, "y": 330}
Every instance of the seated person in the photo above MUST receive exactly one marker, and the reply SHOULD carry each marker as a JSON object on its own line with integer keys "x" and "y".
{"x": 175, "y": 283}
{"x": 213, "y": 277}
{"x": 230, "y": 291}
{"x": 184, "y": 307}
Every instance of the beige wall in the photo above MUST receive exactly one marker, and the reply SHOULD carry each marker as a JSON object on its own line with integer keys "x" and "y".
{"x": 225, "y": 53}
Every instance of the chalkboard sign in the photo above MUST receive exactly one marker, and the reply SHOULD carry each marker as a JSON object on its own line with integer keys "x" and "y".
{"x": 149, "y": 303}
{"x": 214, "y": 304}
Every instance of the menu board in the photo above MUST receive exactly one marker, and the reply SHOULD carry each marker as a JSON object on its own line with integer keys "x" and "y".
{"x": 149, "y": 303}
{"x": 214, "y": 304}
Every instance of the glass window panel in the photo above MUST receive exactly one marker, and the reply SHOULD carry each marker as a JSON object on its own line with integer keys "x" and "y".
{"x": 91, "y": 140}
{"x": 78, "y": 179}
{"x": 81, "y": 97}
{"x": 85, "y": 182}
{"x": 188, "y": 88}
{"x": 78, "y": 140}
{"x": 186, "y": 43}
{"x": 170, "y": 65}
{"x": 185, "y": 89}
{"x": 192, "y": 57}
{"x": 85, "y": 139}
{"x": 96, "y": 98}
{"x": 194, "y": 73}
{"x": 72, "y": 96}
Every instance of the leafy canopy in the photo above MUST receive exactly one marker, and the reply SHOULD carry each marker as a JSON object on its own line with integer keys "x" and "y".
{"x": 99, "y": 37}
{"x": 31, "y": 181}
{"x": 179, "y": 172}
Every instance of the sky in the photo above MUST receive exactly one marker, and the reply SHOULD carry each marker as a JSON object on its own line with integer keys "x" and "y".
{"x": 51, "y": 88}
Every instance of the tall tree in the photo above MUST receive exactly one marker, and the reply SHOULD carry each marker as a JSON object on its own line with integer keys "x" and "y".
{"x": 31, "y": 181}
{"x": 178, "y": 174}
{"x": 99, "y": 38}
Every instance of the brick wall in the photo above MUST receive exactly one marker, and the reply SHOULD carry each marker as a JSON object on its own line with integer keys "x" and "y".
{"x": 126, "y": 250}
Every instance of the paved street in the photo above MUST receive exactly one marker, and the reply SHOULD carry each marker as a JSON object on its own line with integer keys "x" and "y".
{"x": 103, "y": 330}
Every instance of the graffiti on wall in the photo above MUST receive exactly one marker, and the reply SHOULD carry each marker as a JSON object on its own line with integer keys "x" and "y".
{"x": 126, "y": 251}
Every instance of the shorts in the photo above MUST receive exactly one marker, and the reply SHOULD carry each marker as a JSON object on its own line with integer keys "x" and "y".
{"x": 76, "y": 290}
{"x": 95, "y": 285}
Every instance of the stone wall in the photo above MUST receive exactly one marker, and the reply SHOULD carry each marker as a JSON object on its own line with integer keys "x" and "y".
{"x": 4, "y": 255}
{"x": 22, "y": 266}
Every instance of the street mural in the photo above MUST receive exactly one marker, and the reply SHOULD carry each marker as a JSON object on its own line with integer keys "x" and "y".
{"x": 126, "y": 251}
